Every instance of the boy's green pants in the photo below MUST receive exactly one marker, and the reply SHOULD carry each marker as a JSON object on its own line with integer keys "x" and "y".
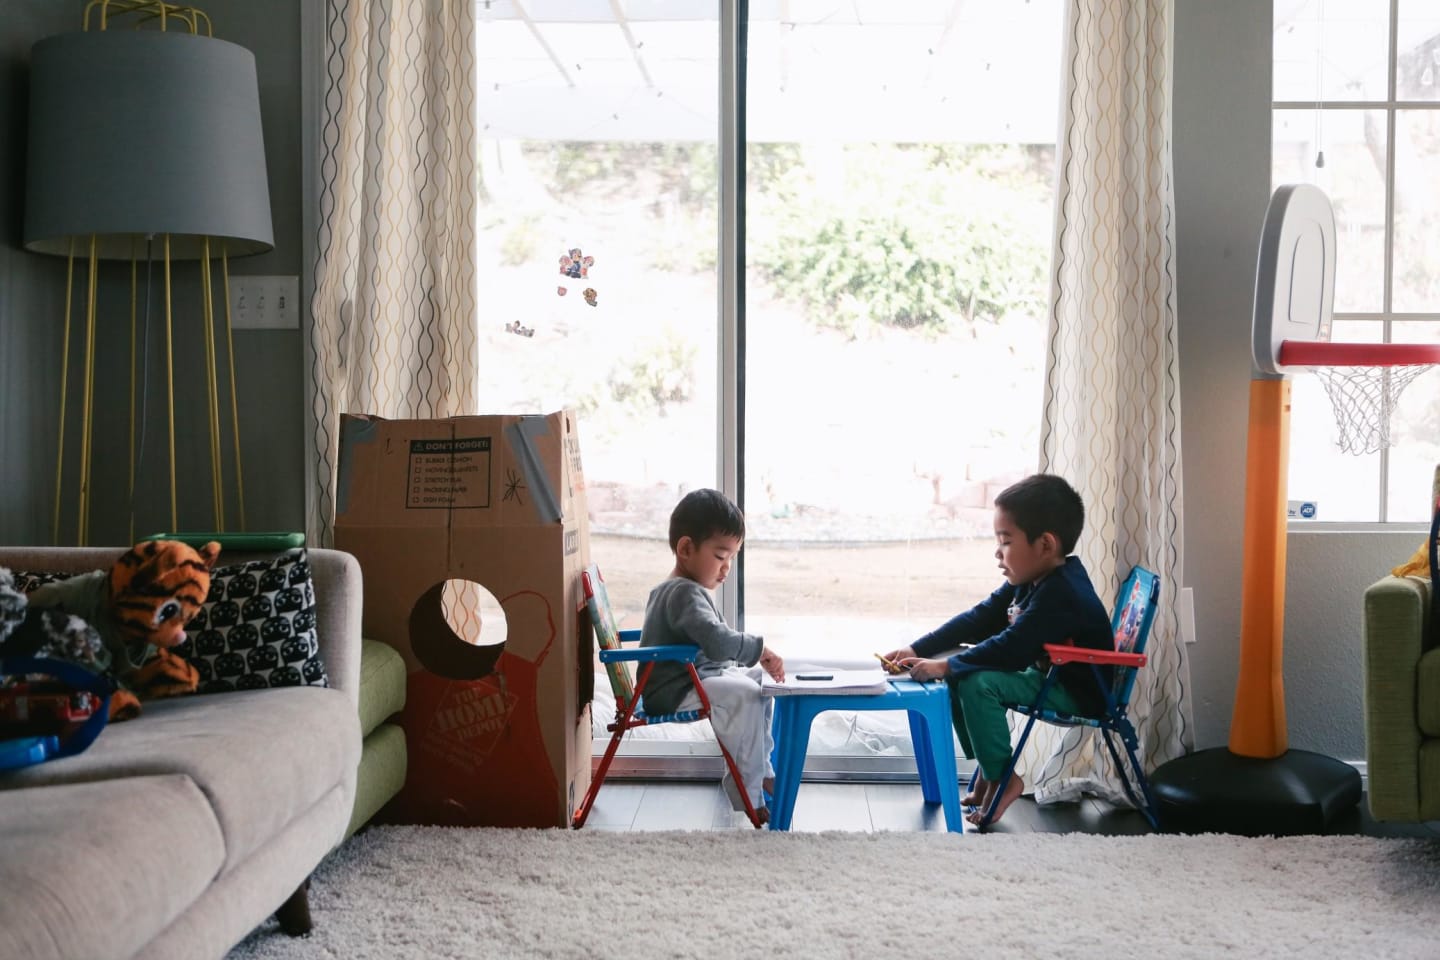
{"x": 977, "y": 708}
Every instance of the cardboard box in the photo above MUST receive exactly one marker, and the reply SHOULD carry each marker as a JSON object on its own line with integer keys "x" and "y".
{"x": 497, "y": 734}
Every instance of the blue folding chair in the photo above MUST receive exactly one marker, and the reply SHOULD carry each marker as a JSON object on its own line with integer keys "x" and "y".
{"x": 628, "y": 714}
{"x": 1134, "y": 610}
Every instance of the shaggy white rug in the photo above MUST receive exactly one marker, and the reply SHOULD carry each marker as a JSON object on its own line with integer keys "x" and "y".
{"x": 437, "y": 892}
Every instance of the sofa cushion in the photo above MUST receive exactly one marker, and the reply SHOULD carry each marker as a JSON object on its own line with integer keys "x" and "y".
{"x": 1428, "y": 782}
{"x": 95, "y": 869}
{"x": 1427, "y": 685}
{"x": 262, "y": 758}
{"x": 382, "y": 684}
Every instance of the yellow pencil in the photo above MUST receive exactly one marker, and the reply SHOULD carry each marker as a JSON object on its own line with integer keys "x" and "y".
{"x": 890, "y": 665}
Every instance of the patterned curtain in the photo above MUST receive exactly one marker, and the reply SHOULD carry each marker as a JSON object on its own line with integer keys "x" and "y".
{"x": 394, "y": 329}
{"x": 1111, "y": 422}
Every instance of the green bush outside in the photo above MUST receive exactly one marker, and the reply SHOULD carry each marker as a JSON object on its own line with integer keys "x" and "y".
{"x": 911, "y": 236}
{"x": 915, "y": 236}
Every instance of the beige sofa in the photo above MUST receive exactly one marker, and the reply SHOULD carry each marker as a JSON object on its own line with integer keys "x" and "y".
{"x": 176, "y": 834}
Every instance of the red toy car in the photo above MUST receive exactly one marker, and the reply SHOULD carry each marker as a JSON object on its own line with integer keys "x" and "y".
{"x": 43, "y": 707}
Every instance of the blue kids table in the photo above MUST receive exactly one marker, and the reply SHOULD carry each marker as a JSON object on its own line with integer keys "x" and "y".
{"x": 928, "y": 706}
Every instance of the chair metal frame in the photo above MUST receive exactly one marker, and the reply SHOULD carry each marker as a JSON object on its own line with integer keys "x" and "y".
{"x": 628, "y": 714}
{"x": 1131, "y": 632}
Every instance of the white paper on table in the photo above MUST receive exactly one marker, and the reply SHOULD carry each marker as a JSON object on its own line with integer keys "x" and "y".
{"x": 862, "y": 681}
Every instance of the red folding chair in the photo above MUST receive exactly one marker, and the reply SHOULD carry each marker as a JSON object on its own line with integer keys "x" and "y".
{"x": 1134, "y": 610}
{"x": 628, "y": 714}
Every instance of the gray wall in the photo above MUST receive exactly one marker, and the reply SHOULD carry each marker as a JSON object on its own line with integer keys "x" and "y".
{"x": 1222, "y": 160}
{"x": 1222, "y": 185}
{"x": 268, "y": 363}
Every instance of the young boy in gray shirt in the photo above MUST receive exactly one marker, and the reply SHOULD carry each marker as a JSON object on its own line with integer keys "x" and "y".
{"x": 706, "y": 532}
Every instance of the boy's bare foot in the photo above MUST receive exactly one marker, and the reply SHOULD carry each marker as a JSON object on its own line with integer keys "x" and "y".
{"x": 1013, "y": 790}
{"x": 762, "y": 817}
{"x": 983, "y": 795}
{"x": 982, "y": 787}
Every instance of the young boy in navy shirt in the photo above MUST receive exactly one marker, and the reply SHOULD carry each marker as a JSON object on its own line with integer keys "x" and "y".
{"x": 1047, "y": 597}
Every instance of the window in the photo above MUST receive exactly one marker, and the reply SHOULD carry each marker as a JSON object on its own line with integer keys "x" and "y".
{"x": 889, "y": 344}
{"x": 1357, "y": 112}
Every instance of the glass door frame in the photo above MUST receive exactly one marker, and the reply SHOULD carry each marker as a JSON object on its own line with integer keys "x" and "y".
{"x": 679, "y": 760}
{"x": 730, "y": 437}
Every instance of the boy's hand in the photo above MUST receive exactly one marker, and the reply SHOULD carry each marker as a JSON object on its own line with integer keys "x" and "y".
{"x": 894, "y": 661}
{"x": 929, "y": 669}
{"x": 771, "y": 663}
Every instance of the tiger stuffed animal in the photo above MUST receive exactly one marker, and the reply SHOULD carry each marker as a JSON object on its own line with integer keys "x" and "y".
{"x": 140, "y": 607}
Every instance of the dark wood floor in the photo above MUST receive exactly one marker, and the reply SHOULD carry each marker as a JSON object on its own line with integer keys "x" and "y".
{"x": 875, "y": 807}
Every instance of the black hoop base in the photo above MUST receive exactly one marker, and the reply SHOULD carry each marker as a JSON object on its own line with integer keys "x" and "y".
{"x": 1216, "y": 791}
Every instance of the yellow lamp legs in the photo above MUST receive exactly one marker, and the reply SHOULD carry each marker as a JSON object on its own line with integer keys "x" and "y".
{"x": 130, "y": 474}
{"x": 82, "y": 526}
{"x": 82, "y": 521}
{"x": 64, "y": 389}
{"x": 234, "y": 403}
{"x": 170, "y": 388}
{"x": 212, "y": 389}
{"x": 1257, "y": 727}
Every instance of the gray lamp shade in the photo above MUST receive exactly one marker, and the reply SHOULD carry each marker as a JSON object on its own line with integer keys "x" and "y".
{"x": 138, "y": 132}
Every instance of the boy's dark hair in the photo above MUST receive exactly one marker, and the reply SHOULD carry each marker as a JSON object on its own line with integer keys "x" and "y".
{"x": 1044, "y": 503}
{"x": 702, "y": 514}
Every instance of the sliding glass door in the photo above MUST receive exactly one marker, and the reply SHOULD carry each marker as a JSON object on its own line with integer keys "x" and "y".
{"x": 884, "y": 349}
{"x": 598, "y": 266}
{"x": 598, "y": 279}
{"x": 899, "y": 172}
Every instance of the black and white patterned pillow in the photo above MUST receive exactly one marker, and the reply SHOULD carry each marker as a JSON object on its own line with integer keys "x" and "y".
{"x": 257, "y": 627}
{"x": 28, "y": 581}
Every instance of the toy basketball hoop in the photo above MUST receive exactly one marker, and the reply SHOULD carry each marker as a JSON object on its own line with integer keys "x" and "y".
{"x": 1294, "y": 299}
{"x": 1364, "y": 382}
{"x": 1257, "y": 784}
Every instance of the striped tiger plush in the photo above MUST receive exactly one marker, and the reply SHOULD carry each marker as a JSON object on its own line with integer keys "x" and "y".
{"x": 140, "y": 607}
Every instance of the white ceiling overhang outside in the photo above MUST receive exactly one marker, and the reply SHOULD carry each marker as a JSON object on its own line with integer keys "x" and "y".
{"x": 922, "y": 71}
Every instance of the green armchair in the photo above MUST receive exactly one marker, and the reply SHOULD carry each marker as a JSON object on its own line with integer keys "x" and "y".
{"x": 1402, "y": 685}
{"x": 1402, "y": 701}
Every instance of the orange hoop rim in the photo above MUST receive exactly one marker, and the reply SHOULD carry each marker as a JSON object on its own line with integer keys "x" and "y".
{"x": 1322, "y": 353}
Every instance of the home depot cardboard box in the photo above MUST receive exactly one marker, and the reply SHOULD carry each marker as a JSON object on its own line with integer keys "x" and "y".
{"x": 497, "y": 734}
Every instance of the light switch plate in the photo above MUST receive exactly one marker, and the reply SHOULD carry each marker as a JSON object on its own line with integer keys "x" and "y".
{"x": 265, "y": 303}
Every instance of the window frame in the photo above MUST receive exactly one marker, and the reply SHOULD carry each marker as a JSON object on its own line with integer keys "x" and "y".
{"x": 1387, "y": 315}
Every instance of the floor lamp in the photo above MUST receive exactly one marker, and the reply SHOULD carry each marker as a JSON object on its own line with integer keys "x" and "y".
{"x": 145, "y": 146}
